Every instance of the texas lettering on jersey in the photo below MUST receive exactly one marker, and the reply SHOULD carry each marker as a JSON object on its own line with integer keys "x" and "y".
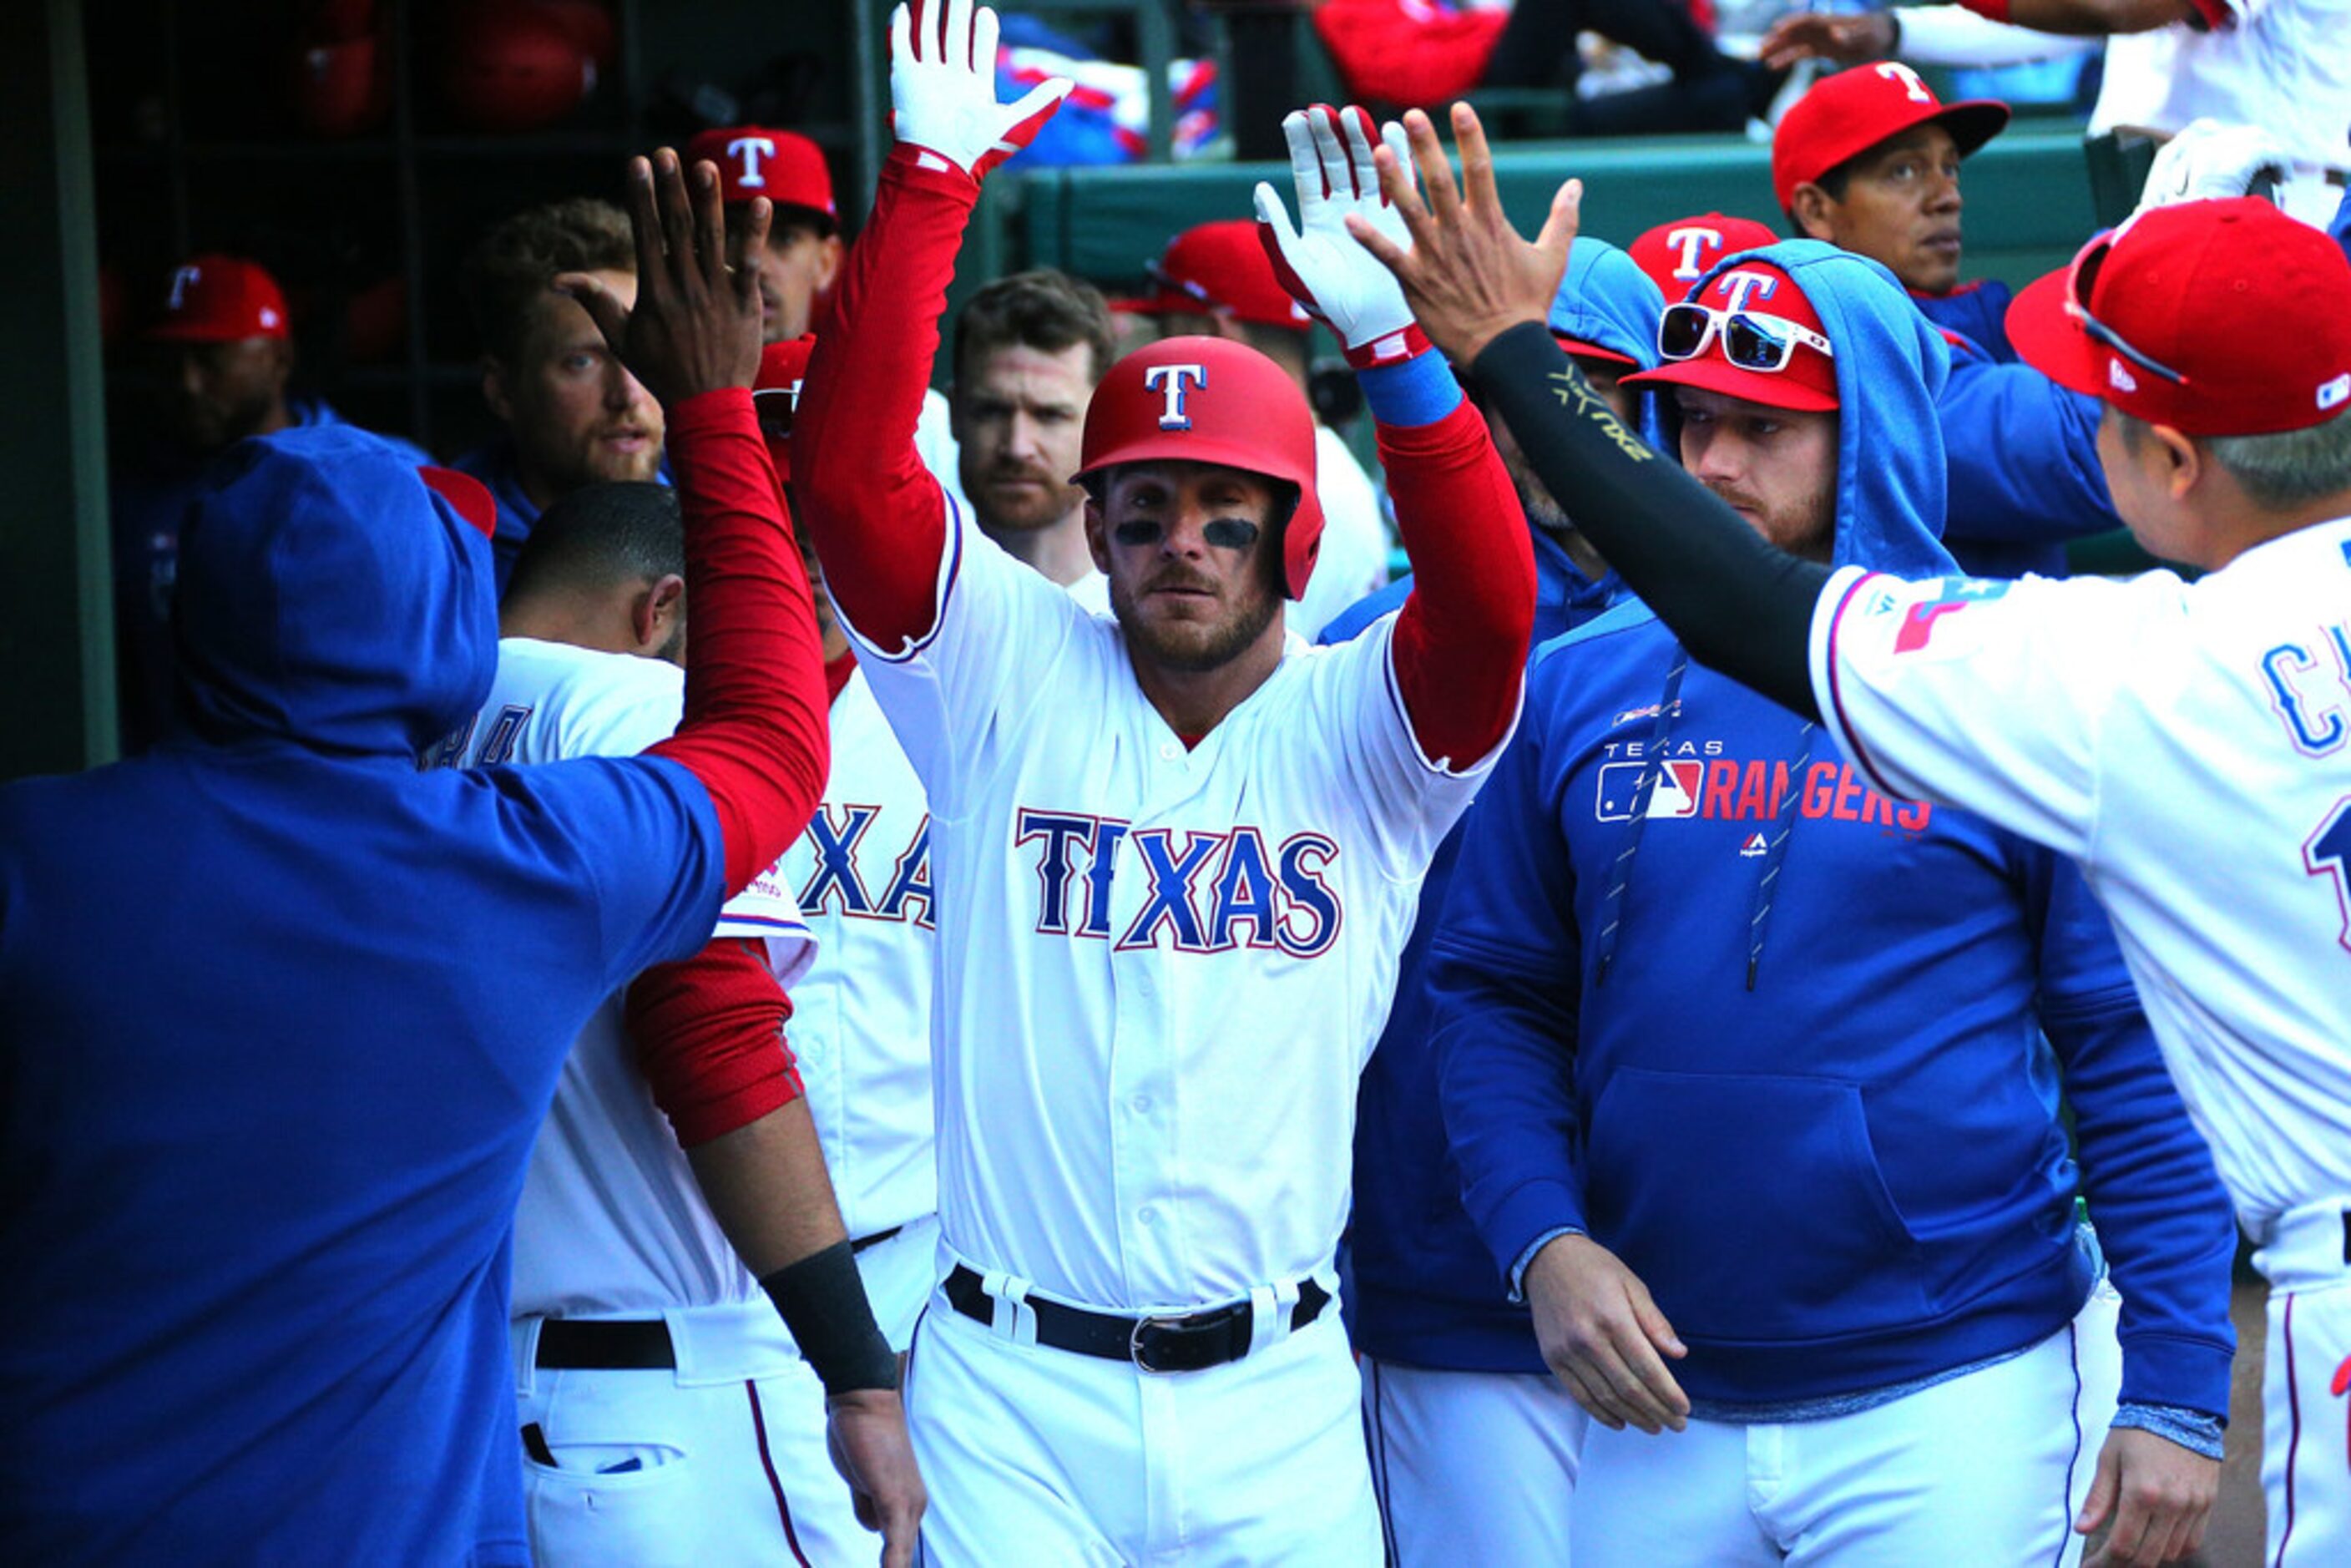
{"x": 843, "y": 876}
{"x": 1206, "y": 890}
{"x": 1696, "y": 781}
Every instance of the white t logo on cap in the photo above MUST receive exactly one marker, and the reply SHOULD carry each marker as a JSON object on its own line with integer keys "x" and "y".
{"x": 1737, "y": 285}
{"x": 751, "y": 149}
{"x": 1170, "y": 379}
{"x": 181, "y": 282}
{"x": 1895, "y": 71}
{"x": 1690, "y": 242}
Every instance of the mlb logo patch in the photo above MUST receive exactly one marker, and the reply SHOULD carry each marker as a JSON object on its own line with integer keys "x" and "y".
{"x": 1675, "y": 794}
{"x": 2335, "y": 392}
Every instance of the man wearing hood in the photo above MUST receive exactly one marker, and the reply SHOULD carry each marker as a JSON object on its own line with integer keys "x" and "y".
{"x": 280, "y": 1013}
{"x": 1753, "y": 1075}
{"x": 1474, "y": 1443}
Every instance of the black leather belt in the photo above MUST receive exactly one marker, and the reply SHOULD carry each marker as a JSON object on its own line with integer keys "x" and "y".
{"x": 879, "y": 1237}
{"x": 604, "y": 1344}
{"x": 1191, "y": 1343}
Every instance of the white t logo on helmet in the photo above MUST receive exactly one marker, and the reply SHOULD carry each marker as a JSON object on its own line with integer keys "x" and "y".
{"x": 751, "y": 149}
{"x": 1691, "y": 243}
{"x": 1737, "y": 285}
{"x": 1170, "y": 380}
{"x": 1895, "y": 71}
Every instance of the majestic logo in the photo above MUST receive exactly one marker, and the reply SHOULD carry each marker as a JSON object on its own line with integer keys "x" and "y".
{"x": 1754, "y": 846}
{"x": 749, "y": 151}
{"x": 1959, "y": 592}
{"x": 1693, "y": 244}
{"x": 1206, "y": 890}
{"x": 1916, "y": 89}
{"x": 1738, "y": 286}
{"x": 1169, "y": 380}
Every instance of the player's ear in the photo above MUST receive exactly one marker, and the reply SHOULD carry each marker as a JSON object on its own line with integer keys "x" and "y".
{"x": 828, "y": 253}
{"x": 2184, "y": 458}
{"x": 494, "y": 389}
{"x": 1097, "y": 533}
{"x": 656, "y": 611}
{"x": 1814, "y": 211}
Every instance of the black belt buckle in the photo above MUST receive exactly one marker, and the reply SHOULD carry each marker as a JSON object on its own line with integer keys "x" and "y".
{"x": 1192, "y": 1343}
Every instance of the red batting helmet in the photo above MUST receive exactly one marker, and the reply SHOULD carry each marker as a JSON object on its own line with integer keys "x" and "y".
{"x": 1212, "y": 400}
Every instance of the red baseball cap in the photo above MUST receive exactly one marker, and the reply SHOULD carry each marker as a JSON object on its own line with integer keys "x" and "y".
{"x": 781, "y": 165}
{"x": 1853, "y": 111}
{"x": 1676, "y": 255}
{"x": 221, "y": 300}
{"x": 2219, "y": 317}
{"x": 1807, "y": 384}
{"x": 776, "y": 394}
{"x": 468, "y": 496}
{"x": 1222, "y": 266}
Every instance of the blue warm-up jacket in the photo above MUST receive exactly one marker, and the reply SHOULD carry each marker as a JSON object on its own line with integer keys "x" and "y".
{"x": 1800, "y": 1067}
{"x": 1977, "y": 310}
{"x": 2024, "y": 471}
{"x": 280, "y": 1017}
{"x": 1424, "y": 1290}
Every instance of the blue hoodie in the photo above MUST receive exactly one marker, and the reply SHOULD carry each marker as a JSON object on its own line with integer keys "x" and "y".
{"x": 1777, "y": 1041}
{"x": 1424, "y": 1290}
{"x": 2024, "y": 472}
{"x": 279, "y": 1017}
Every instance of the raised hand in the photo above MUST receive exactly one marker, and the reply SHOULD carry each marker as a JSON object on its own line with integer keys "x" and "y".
{"x": 1818, "y": 36}
{"x": 942, "y": 87}
{"x": 1333, "y": 277}
{"x": 1603, "y": 1336}
{"x": 696, "y": 324}
{"x": 1467, "y": 274}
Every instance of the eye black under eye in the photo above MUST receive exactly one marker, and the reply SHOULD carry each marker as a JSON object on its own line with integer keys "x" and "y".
{"x": 1139, "y": 531}
{"x": 1230, "y": 533}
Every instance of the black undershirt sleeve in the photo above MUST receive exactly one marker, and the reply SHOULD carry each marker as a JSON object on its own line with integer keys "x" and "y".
{"x": 1736, "y": 603}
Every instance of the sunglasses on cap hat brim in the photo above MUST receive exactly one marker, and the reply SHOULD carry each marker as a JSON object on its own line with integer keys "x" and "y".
{"x": 2080, "y": 279}
{"x": 1754, "y": 340}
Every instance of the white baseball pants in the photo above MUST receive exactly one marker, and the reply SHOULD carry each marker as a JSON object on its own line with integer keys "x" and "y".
{"x": 2306, "y": 1389}
{"x": 1471, "y": 1466}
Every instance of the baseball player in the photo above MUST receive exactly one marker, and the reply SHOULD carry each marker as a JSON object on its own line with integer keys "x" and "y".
{"x": 1679, "y": 924}
{"x": 1180, "y": 852}
{"x": 2281, "y": 64}
{"x": 1218, "y": 273}
{"x": 802, "y": 256}
{"x": 2179, "y": 741}
{"x": 1474, "y": 1444}
{"x": 264, "y": 1142}
{"x": 1869, "y": 160}
{"x": 642, "y": 1338}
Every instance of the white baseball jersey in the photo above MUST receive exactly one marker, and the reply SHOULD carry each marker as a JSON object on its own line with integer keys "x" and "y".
{"x": 1161, "y": 968}
{"x": 862, "y": 1010}
{"x": 2190, "y": 746}
{"x": 612, "y": 1221}
{"x": 2283, "y": 65}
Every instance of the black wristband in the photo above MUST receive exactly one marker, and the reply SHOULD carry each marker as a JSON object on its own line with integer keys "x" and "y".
{"x": 1736, "y": 603}
{"x": 822, "y": 1300}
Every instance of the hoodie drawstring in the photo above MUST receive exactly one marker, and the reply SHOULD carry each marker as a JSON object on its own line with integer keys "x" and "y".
{"x": 1620, "y": 873}
{"x": 1776, "y": 852}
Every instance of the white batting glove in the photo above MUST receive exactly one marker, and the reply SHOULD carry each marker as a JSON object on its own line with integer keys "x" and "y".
{"x": 2209, "y": 159}
{"x": 942, "y": 87}
{"x": 1336, "y": 280}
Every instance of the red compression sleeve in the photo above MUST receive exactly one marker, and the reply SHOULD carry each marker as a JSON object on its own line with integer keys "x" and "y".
{"x": 755, "y": 730}
{"x": 709, "y": 1037}
{"x": 875, "y": 512}
{"x": 1461, "y": 639}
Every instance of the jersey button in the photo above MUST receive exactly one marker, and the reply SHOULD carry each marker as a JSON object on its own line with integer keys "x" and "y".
{"x": 1140, "y": 1104}
{"x": 1148, "y": 1215}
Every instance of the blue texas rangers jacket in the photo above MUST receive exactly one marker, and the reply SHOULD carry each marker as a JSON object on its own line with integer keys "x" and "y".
{"x": 1977, "y": 310}
{"x": 1423, "y": 1289}
{"x": 1791, "y": 1064}
{"x": 2024, "y": 475}
{"x": 279, "y": 1017}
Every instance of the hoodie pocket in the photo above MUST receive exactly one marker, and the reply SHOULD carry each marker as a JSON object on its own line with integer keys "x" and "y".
{"x": 1752, "y": 1206}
